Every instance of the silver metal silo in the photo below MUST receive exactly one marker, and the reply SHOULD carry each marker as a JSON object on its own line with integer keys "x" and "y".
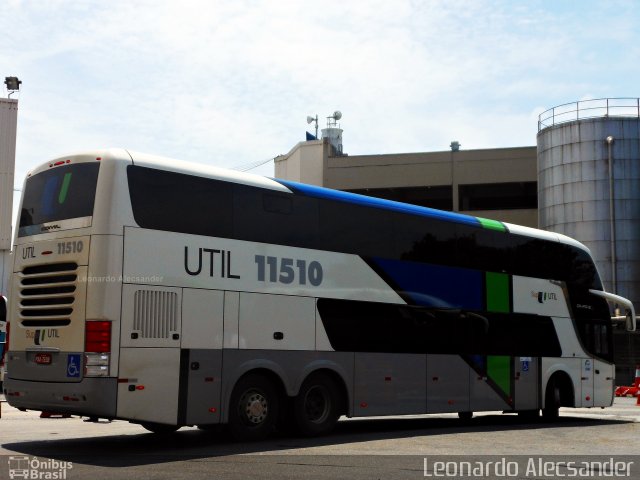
{"x": 589, "y": 184}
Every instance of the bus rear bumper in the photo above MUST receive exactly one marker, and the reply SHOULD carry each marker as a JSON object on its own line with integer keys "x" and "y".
{"x": 94, "y": 397}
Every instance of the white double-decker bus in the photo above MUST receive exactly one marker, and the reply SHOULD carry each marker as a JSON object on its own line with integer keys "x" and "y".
{"x": 172, "y": 294}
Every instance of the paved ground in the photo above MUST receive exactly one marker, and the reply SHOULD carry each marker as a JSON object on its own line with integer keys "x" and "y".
{"x": 371, "y": 448}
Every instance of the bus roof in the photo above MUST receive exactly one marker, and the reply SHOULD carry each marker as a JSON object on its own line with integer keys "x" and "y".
{"x": 208, "y": 171}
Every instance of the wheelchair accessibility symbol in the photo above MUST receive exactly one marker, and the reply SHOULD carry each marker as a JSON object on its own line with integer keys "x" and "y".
{"x": 73, "y": 365}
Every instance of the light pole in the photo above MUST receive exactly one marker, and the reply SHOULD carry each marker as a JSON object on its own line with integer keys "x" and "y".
{"x": 612, "y": 217}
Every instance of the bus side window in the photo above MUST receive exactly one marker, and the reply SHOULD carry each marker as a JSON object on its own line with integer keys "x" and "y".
{"x": 277, "y": 203}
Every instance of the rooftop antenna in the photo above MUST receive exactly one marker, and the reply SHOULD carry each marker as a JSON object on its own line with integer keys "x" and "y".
{"x": 312, "y": 119}
{"x": 332, "y": 121}
{"x": 333, "y": 132}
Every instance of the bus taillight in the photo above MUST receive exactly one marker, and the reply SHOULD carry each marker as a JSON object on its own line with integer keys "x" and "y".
{"x": 98, "y": 337}
{"x": 97, "y": 347}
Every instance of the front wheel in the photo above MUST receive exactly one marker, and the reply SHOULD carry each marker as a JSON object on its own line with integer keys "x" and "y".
{"x": 317, "y": 407}
{"x": 551, "y": 410}
{"x": 253, "y": 409}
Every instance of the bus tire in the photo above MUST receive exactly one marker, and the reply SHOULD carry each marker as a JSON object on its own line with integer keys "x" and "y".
{"x": 316, "y": 408}
{"x": 553, "y": 400}
{"x": 253, "y": 409}
{"x": 160, "y": 428}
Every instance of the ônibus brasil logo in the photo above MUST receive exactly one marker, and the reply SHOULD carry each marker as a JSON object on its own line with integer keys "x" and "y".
{"x": 22, "y": 466}
{"x": 543, "y": 297}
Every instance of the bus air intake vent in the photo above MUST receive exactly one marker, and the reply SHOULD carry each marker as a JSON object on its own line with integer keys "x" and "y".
{"x": 47, "y": 294}
{"x": 155, "y": 313}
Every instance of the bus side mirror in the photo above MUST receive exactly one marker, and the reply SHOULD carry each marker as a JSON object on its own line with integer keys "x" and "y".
{"x": 3, "y": 308}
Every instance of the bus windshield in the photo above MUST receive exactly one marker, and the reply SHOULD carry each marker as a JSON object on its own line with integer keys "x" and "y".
{"x": 62, "y": 193}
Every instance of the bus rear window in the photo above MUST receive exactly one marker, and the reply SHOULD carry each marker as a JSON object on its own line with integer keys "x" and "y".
{"x": 62, "y": 193}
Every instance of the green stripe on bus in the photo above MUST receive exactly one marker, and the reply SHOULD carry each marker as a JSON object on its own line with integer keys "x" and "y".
{"x": 497, "y": 292}
{"x": 492, "y": 224}
{"x": 65, "y": 188}
{"x": 499, "y": 370}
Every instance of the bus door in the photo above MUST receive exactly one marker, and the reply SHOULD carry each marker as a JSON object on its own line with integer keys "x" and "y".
{"x": 598, "y": 380}
{"x": 598, "y": 375}
{"x": 603, "y": 383}
{"x": 149, "y": 364}
{"x": 586, "y": 378}
{"x": 603, "y": 370}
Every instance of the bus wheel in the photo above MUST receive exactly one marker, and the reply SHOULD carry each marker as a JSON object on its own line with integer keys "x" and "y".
{"x": 160, "y": 428}
{"x": 253, "y": 409}
{"x": 316, "y": 409}
{"x": 552, "y": 401}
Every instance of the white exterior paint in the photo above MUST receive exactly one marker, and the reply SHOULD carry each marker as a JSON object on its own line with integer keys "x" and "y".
{"x": 206, "y": 171}
{"x": 544, "y": 235}
{"x": 263, "y": 318}
{"x": 135, "y": 337}
{"x": 231, "y": 311}
{"x": 539, "y": 297}
{"x": 158, "y": 258}
{"x": 151, "y": 391}
{"x": 202, "y": 318}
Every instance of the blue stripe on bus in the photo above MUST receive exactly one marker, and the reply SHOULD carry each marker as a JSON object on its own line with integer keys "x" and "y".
{"x": 330, "y": 194}
{"x": 435, "y": 285}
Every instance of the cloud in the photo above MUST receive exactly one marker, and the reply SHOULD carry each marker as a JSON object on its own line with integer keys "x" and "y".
{"x": 228, "y": 83}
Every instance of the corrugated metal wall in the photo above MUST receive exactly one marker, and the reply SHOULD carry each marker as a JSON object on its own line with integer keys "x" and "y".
{"x": 574, "y": 197}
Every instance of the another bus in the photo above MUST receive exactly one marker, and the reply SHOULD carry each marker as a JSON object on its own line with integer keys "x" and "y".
{"x": 171, "y": 294}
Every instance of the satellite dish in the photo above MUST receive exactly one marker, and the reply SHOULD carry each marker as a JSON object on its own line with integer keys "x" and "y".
{"x": 310, "y": 119}
{"x": 337, "y": 115}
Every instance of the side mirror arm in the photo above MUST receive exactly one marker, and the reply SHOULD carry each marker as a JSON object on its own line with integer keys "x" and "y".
{"x": 629, "y": 317}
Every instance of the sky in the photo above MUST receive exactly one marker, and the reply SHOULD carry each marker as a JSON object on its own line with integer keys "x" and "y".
{"x": 231, "y": 82}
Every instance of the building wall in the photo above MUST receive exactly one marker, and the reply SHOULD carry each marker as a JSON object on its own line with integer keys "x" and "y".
{"x": 304, "y": 163}
{"x": 314, "y": 162}
{"x": 8, "y": 125}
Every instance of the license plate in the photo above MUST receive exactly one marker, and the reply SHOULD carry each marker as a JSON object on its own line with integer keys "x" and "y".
{"x": 43, "y": 358}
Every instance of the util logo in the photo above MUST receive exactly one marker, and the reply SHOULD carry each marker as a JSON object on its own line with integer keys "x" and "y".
{"x": 543, "y": 297}
{"x": 39, "y": 337}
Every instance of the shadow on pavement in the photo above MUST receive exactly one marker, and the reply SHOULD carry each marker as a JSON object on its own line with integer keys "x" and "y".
{"x": 148, "y": 448}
